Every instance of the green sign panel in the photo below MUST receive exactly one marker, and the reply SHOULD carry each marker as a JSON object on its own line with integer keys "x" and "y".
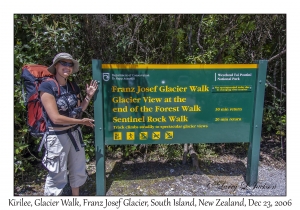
{"x": 157, "y": 104}
{"x": 168, "y": 104}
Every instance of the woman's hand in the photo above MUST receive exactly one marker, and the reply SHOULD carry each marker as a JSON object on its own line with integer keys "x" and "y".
{"x": 91, "y": 89}
{"x": 88, "y": 122}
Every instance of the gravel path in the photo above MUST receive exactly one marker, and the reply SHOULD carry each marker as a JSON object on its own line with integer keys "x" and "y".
{"x": 223, "y": 176}
{"x": 178, "y": 180}
{"x": 271, "y": 182}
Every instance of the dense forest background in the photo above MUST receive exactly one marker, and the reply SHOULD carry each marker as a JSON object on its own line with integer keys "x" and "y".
{"x": 151, "y": 39}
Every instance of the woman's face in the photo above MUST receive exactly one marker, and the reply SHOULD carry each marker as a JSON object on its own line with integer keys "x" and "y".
{"x": 64, "y": 67}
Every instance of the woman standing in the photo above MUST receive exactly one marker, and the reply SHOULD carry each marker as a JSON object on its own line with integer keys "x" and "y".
{"x": 64, "y": 153}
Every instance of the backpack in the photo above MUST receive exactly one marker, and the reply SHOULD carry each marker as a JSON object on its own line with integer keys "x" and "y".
{"x": 32, "y": 76}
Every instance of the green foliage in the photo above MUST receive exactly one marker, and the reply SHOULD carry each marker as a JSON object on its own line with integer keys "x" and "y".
{"x": 146, "y": 38}
{"x": 129, "y": 150}
{"x": 205, "y": 150}
{"x": 174, "y": 151}
{"x": 88, "y": 139}
{"x": 273, "y": 121}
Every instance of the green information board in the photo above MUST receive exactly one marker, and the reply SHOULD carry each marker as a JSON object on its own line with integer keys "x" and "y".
{"x": 168, "y": 104}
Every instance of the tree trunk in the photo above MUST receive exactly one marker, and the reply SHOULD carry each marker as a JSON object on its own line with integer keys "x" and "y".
{"x": 185, "y": 152}
{"x": 194, "y": 156}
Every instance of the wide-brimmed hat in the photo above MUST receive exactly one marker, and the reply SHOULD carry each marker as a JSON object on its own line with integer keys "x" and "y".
{"x": 62, "y": 56}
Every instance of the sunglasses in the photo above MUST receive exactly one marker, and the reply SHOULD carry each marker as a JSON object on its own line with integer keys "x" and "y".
{"x": 66, "y": 63}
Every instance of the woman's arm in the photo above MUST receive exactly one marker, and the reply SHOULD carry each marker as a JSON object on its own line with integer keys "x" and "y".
{"x": 90, "y": 91}
{"x": 84, "y": 104}
{"x": 50, "y": 106}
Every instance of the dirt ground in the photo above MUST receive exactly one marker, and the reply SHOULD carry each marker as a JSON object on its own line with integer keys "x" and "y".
{"x": 224, "y": 174}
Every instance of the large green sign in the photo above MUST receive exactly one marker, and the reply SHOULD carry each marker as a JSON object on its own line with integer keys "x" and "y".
{"x": 166, "y": 104}
{"x": 157, "y": 104}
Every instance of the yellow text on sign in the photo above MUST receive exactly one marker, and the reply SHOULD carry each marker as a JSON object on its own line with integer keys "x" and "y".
{"x": 169, "y": 135}
{"x": 117, "y": 136}
{"x": 143, "y": 135}
{"x": 130, "y": 136}
{"x": 156, "y": 135}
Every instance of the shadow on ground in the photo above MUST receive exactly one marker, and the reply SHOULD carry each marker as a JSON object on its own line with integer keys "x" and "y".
{"x": 143, "y": 173}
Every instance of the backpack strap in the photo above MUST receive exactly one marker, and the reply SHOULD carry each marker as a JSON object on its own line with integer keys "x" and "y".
{"x": 56, "y": 83}
{"x": 73, "y": 88}
{"x": 80, "y": 95}
{"x": 43, "y": 141}
{"x": 72, "y": 85}
{"x": 69, "y": 133}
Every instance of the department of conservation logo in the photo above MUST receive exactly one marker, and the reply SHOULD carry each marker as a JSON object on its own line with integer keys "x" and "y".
{"x": 105, "y": 76}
